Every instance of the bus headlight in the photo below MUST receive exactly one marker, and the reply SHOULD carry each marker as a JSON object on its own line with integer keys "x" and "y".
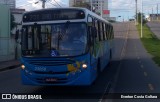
{"x": 84, "y": 66}
{"x": 22, "y": 66}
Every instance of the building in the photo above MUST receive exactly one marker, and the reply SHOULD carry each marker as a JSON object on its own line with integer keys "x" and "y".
{"x": 6, "y": 48}
{"x": 10, "y": 3}
{"x": 74, "y": 2}
{"x": 9, "y": 48}
{"x": 112, "y": 18}
{"x": 17, "y": 13}
{"x": 99, "y": 6}
{"x": 153, "y": 17}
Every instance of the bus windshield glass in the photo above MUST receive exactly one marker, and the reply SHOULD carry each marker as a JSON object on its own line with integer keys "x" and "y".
{"x": 63, "y": 39}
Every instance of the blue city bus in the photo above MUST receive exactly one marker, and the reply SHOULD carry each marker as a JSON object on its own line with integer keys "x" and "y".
{"x": 64, "y": 46}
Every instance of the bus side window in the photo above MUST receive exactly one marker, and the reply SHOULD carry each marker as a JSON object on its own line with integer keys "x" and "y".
{"x": 106, "y": 32}
{"x": 90, "y": 24}
{"x": 101, "y": 28}
{"x": 99, "y": 31}
{"x": 96, "y": 25}
{"x": 102, "y": 31}
{"x": 110, "y": 32}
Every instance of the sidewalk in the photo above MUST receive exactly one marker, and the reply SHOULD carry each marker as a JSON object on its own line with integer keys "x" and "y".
{"x": 5, "y": 65}
{"x": 155, "y": 28}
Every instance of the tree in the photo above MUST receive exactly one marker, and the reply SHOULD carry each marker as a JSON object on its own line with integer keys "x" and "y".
{"x": 83, "y": 4}
{"x": 12, "y": 23}
{"x": 139, "y": 18}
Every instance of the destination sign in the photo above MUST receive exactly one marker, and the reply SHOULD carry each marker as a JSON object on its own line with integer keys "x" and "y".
{"x": 53, "y": 14}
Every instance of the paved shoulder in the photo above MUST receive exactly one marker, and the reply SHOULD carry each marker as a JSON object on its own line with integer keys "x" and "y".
{"x": 5, "y": 65}
{"x": 155, "y": 28}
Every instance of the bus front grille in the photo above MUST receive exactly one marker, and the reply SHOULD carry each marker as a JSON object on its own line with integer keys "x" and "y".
{"x": 50, "y": 62}
{"x": 51, "y": 72}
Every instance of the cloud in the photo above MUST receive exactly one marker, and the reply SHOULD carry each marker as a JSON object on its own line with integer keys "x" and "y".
{"x": 122, "y": 7}
{"x": 37, "y": 4}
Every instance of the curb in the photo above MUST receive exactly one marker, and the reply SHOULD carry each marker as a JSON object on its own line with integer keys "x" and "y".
{"x": 9, "y": 67}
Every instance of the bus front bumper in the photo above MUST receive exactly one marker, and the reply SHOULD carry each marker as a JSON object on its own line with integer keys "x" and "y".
{"x": 78, "y": 78}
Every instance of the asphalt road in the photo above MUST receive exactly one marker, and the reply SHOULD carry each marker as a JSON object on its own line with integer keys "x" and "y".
{"x": 137, "y": 73}
{"x": 131, "y": 71}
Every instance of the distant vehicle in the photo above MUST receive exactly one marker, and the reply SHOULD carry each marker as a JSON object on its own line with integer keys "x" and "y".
{"x": 131, "y": 19}
{"x": 64, "y": 46}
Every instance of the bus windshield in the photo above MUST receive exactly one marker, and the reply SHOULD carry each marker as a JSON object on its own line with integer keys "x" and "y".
{"x": 63, "y": 39}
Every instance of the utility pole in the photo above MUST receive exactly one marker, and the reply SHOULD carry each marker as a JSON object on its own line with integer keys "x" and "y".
{"x": 152, "y": 14}
{"x": 43, "y": 3}
{"x": 141, "y": 18}
{"x": 101, "y": 8}
{"x": 136, "y": 14}
{"x": 157, "y": 12}
{"x": 91, "y": 5}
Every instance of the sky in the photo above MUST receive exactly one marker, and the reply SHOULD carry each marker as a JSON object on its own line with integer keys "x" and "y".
{"x": 121, "y": 9}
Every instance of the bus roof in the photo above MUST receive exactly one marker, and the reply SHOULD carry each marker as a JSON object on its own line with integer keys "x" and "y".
{"x": 87, "y": 12}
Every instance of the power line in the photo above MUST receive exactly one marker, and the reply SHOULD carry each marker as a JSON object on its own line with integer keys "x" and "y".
{"x": 57, "y": 3}
{"x": 52, "y": 3}
{"x": 24, "y": 5}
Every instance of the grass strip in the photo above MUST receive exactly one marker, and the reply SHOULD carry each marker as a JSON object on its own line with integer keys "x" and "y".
{"x": 150, "y": 42}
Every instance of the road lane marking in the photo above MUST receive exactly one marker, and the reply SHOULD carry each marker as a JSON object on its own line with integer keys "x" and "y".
{"x": 121, "y": 57}
{"x": 145, "y": 74}
{"x": 151, "y": 87}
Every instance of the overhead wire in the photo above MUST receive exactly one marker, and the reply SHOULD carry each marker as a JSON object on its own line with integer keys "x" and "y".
{"x": 57, "y": 3}
{"x": 52, "y": 3}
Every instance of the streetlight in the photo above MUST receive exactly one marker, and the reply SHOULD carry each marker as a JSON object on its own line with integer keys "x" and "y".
{"x": 118, "y": 17}
{"x": 136, "y": 18}
{"x": 141, "y": 18}
{"x": 43, "y": 3}
{"x": 91, "y": 5}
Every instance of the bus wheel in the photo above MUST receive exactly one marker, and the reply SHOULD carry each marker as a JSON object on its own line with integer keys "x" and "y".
{"x": 110, "y": 58}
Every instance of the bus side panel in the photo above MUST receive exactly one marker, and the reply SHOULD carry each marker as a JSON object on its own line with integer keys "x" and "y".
{"x": 105, "y": 54}
{"x": 93, "y": 68}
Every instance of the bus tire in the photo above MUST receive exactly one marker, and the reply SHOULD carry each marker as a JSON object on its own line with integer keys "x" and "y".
{"x": 110, "y": 58}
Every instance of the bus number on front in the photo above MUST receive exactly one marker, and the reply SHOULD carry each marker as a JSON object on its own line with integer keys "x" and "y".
{"x": 40, "y": 68}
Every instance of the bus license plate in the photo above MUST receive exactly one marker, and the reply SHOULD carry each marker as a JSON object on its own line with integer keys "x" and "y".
{"x": 51, "y": 80}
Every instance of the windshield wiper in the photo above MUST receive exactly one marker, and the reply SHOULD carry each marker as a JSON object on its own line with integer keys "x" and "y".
{"x": 66, "y": 26}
